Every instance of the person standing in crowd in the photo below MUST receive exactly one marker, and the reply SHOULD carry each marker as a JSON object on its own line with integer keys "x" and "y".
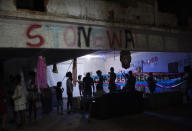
{"x": 32, "y": 98}
{"x": 59, "y": 95}
{"x": 3, "y": 106}
{"x": 112, "y": 78}
{"x": 69, "y": 86}
{"x": 49, "y": 99}
{"x": 43, "y": 100}
{"x": 80, "y": 82}
{"x": 88, "y": 85}
{"x": 99, "y": 84}
{"x": 130, "y": 84}
{"x": 46, "y": 100}
{"x": 87, "y": 96}
{"x": 19, "y": 100}
{"x": 151, "y": 83}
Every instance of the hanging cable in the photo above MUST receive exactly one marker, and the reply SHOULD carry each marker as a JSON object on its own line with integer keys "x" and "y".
{"x": 68, "y": 69}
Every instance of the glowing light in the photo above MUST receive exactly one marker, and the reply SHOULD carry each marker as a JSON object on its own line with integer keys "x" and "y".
{"x": 92, "y": 56}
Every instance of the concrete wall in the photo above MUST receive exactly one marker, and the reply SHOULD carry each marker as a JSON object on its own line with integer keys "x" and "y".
{"x": 84, "y": 65}
{"x": 137, "y": 12}
{"x": 163, "y": 60}
{"x": 101, "y": 10}
{"x": 36, "y": 34}
{"x": 104, "y": 62}
{"x": 93, "y": 64}
{"x": 138, "y": 25}
{"x": 183, "y": 59}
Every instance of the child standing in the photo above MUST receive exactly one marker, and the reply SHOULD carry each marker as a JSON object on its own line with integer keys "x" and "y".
{"x": 59, "y": 92}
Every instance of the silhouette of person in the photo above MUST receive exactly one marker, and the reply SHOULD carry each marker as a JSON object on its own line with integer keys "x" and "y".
{"x": 69, "y": 86}
{"x": 130, "y": 83}
{"x": 151, "y": 83}
{"x": 80, "y": 85}
{"x": 59, "y": 92}
{"x": 112, "y": 78}
{"x": 99, "y": 84}
{"x": 88, "y": 84}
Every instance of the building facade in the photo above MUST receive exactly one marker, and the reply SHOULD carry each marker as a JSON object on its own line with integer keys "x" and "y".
{"x": 94, "y": 24}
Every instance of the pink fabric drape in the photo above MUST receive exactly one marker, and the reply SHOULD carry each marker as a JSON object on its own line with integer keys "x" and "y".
{"x": 41, "y": 74}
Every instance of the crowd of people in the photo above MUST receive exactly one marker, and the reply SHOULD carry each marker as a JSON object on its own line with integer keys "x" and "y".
{"x": 18, "y": 102}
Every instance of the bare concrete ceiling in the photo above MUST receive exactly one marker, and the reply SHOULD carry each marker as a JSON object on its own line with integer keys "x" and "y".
{"x": 52, "y": 55}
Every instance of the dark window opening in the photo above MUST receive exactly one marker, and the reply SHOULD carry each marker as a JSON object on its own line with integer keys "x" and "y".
{"x": 36, "y": 5}
{"x": 181, "y": 8}
{"x": 124, "y": 3}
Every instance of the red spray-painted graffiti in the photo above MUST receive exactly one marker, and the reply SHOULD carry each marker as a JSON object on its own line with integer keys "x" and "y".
{"x": 41, "y": 39}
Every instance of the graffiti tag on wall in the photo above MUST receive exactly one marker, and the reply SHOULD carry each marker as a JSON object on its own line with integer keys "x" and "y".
{"x": 71, "y": 36}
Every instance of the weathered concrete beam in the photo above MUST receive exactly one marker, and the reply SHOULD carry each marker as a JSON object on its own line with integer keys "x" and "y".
{"x": 97, "y": 12}
{"x": 40, "y": 34}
